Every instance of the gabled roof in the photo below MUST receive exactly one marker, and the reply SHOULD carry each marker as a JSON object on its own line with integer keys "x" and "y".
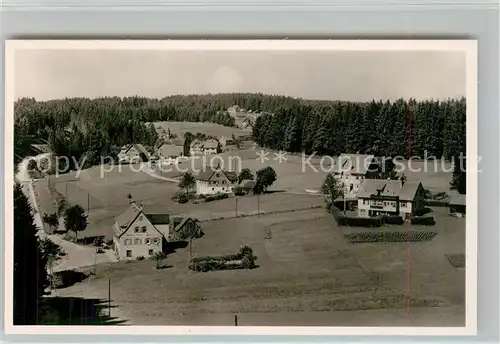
{"x": 207, "y": 174}
{"x": 158, "y": 219}
{"x": 167, "y": 149}
{"x": 353, "y": 163}
{"x": 388, "y": 188}
{"x": 210, "y": 144}
{"x": 247, "y": 184}
{"x": 125, "y": 220}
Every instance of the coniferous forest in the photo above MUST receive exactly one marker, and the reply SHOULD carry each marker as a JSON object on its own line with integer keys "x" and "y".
{"x": 400, "y": 128}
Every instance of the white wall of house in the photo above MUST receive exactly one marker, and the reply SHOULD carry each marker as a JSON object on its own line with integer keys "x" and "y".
{"x": 209, "y": 151}
{"x": 141, "y": 239}
{"x": 351, "y": 184}
{"x": 204, "y": 188}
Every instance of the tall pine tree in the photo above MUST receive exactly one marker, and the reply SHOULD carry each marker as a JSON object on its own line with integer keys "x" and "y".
{"x": 30, "y": 274}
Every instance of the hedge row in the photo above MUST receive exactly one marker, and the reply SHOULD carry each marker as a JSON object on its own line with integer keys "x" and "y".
{"x": 244, "y": 259}
{"x": 423, "y": 220}
{"x": 369, "y": 237}
{"x": 436, "y": 203}
{"x": 216, "y": 197}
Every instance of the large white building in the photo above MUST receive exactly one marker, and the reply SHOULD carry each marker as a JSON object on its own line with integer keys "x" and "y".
{"x": 137, "y": 234}
{"x": 353, "y": 169}
{"x": 391, "y": 197}
{"x": 215, "y": 181}
{"x": 140, "y": 234}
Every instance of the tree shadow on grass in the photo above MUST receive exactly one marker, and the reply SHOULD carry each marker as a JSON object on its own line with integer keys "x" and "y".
{"x": 67, "y": 278}
{"x": 77, "y": 311}
{"x": 171, "y": 247}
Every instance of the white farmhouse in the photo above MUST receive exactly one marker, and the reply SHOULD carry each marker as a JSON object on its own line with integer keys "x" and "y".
{"x": 207, "y": 147}
{"x": 391, "y": 197}
{"x": 214, "y": 181}
{"x": 137, "y": 234}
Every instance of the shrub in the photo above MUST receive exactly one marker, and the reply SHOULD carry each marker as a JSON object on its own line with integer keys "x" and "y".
{"x": 437, "y": 203}
{"x": 244, "y": 259}
{"x": 403, "y": 236}
{"x": 221, "y": 196}
{"x": 423, "y": 220}
{"x": 140, "y": 258}
{"x": 364, "y": 221}
{"x": 393, "y": 219}
{"x": 209, "y": 199}
{"x": 183, "y": 198}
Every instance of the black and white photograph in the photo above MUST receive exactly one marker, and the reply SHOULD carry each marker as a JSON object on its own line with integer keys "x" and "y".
{"x": 224, "y": 185}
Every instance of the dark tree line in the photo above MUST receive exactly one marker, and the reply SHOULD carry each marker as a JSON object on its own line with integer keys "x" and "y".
{"x": 91, "y": 128}
{"x": 30, "y": 274}
{"x": 399, "y": 128}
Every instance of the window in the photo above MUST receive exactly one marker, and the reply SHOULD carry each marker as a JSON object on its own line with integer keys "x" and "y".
{"x": 156, "y": 241}
{"x": 213, "y": 189}
{"x": 147, "y": 241}
{"x": 140, "y": 218}
{"x": 223, "y": 188}
{"x": 128, "y": 242}
{"x": 143, "y": 229}
{"x": 351, "y": 187}
{"x": 223, "y": 182}
{"x": 150, "y": 252}
{"x": 129, "y": 253}
{"x": 217, "y": 175}
{"x": 136, "y": 229}
{"x": 137, "y": 241}
{"x": 403, "y": 204}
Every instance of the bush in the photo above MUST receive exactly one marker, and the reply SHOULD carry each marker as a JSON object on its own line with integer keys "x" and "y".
{"x": 140, "y": 258}
{"x": 436, "y": 203}
{"x": 244, "y": 259}
{"x": 423, "y": 220}
{"x": 363, "y": 221}
{"x": 183, "y": 198}
{"x": 221, "y": 196}
{"x": 393, "y": 219}
{"x": 370, "y": 237}
{"x": 209, "y": 199}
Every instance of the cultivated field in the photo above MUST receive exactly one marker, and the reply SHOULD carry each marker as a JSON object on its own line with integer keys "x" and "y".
{"x": 213, "y": 129}
{"x": 307, "y": 274}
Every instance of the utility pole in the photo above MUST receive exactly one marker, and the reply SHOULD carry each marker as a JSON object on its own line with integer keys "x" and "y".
{"x": 236, "y": 207}
{"x": 190, "y": 249}
{"x": 258, "y": 204}
{"x": 345, "y": 198}
{"x": 88, "y": 202}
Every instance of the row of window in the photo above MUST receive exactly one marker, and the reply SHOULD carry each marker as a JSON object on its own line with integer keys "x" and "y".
{"x": 385, "y": 203}
{"x": 139, "y": 241}
{"x": 141, "y": 229}
{"x": 129, "y": 253}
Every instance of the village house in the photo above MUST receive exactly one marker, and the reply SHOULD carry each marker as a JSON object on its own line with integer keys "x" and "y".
{"x": 137, "y": 234}
{"x": 133, "y": 153}
{"x": 183, "y": 228}
{"x": 213, "y": 181}
{"x": 390, "y": 197}
{"x": 353, "y": 169}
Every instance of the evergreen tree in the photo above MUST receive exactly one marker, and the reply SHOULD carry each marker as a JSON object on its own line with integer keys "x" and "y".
{"x": 30, "y": 274}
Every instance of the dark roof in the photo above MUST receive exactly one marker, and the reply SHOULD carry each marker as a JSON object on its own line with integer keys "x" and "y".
{"x": 388, "y": 188}
{"x": 158, "y": 219}
{"x": 169, "y": 150}
{"x": 205, "y": 175}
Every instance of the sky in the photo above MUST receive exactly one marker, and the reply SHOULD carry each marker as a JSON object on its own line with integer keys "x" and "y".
{"x": 352, "y": 76}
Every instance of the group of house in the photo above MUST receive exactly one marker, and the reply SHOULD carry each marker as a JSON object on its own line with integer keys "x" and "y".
{"x": 137, "y": 233}
{"x": 360, "y": 177}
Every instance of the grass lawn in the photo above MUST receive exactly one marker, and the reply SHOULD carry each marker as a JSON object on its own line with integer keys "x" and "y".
{"x": 304, "y": 267}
